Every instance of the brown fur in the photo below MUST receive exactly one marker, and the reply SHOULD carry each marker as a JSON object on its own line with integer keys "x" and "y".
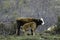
{"x": 29, "y": 25}
{"x": 26, "y": 22}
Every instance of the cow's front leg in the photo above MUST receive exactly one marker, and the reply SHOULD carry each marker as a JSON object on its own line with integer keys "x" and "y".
{"x": 33, "y": 28}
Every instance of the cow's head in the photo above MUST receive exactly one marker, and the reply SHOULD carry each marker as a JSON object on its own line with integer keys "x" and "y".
{"x": 40, "y": 21}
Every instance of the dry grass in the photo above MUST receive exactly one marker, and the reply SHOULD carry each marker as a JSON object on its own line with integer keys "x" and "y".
{"x": 37, "y": 37}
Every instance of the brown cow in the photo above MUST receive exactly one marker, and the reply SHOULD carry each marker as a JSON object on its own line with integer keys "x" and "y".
{"x": 22, "y": 21}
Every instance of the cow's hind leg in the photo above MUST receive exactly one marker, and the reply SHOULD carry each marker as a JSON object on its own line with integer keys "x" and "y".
{"x": 18, "y": 29}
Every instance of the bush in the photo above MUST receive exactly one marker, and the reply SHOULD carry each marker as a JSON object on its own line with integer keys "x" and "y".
{"x": 1, "y": 27}
{"x": 58, "y": 25}
{"x": 8, "y": 29}
{"x": 54, "y": 29}
{"x": 13, "y": 27}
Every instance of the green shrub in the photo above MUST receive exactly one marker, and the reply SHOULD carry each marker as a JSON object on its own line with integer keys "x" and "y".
{"x": 1, "y": 25}
{"x": 8, "y": 28}
{"x": 58, "y": 23}
{"x": 13, "y": 27}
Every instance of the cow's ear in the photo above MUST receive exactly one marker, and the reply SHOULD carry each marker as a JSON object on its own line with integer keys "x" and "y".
{"x": 42, "y": 21}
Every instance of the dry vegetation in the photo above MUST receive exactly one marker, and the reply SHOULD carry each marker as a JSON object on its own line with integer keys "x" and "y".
{"x": 38, "y": 36}
{"x": 11, "y": 9}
